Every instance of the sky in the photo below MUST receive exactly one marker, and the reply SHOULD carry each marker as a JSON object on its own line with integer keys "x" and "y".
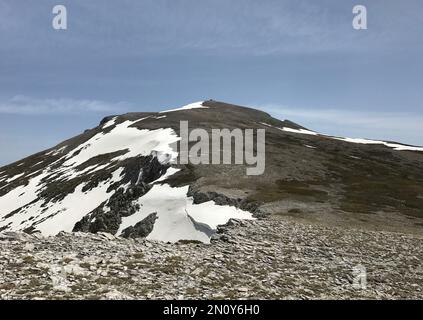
{"x": 296, "y": 59}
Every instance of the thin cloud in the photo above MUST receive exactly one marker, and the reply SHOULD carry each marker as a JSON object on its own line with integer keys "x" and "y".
{"x": 395, "y": 126}
{"x": 25, "y": 105}
{"x": 242, "y": 27}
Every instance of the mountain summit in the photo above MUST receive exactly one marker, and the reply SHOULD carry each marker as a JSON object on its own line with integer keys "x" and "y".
{"x": 123, "y": 177}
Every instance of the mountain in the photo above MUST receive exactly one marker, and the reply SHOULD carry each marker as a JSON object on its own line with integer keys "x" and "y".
{"x": 124, "y": 177}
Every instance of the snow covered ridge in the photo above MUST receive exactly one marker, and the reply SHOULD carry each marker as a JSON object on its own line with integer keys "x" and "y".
{"x": 114, "y": 181}
{"x": 137, "y": 143}
{"x": 395, "y": 146}
{"x": 195, "y": 105}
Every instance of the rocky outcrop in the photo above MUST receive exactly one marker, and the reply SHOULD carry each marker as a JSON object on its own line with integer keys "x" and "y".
{"x": 222, "y": 200}
{"x": 142, "y": 229}
{"x": 138, "y": 173}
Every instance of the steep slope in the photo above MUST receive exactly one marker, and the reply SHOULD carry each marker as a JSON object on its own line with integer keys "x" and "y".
{"x": 122, "y": 177}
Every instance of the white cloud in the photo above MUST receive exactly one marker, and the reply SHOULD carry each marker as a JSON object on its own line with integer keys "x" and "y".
{"x": 34, "y": 106}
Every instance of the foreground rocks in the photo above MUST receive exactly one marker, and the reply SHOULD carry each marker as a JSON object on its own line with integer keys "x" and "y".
{"x": 262, "y": 259}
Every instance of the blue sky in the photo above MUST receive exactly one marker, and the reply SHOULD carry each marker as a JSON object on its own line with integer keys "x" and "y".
{"x": 297, "y": 59}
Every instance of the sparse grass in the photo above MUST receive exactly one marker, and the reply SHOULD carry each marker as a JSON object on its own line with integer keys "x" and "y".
{"x": 7, "y": 286}
{"x": 191, "y": 291}
{"x": 120, "y": 281}
{"x": 138, "y": 255}
{"x": 189, "y": 242}
{"x": 67, "y": 260}
{"x": 34, "y": 282}
{"x": 136, "y": 263}
{"x": 170, "y": 265}
{"x": 295, "y": 210}
{"x": 28, "y": 259}
{"x": 174, "y": 260}
{"x": 85, "y": 265}
{"x": 370, "y": 187}
{"x": 281, "y": 190}
{"x": 83, "y": 287}
{"x": 102, "y": 280}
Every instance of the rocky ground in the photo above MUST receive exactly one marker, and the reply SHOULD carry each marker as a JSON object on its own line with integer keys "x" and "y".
{"x": 262, "y": 259}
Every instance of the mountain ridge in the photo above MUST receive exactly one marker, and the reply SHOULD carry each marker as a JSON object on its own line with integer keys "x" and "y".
{"x": 119, "y": 172}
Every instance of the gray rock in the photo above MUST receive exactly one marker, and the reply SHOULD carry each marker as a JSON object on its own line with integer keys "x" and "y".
{"x": 141, "y": 229}
{"x": 257, "y": 263}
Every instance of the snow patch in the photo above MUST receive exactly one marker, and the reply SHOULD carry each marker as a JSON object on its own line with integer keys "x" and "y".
{"x": 136, "y": 142}
{"x": 69, "y": 174}
{"x": 56, "y": 151}
{"x": 174, "y": 208}
{"x": 21, "y": 196}
{"x": 395, "y": 146}
{"x": 195, "y": 105}
{"x": 39, "y": 162}
{"x": 301, "y": 131}
{"x": 109, "y": 123}
{"x": 286, "y": 129}
{"x": 61, "y": 215}
{"x": 15, "y": 177}
{"x": 170, "y": 171}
